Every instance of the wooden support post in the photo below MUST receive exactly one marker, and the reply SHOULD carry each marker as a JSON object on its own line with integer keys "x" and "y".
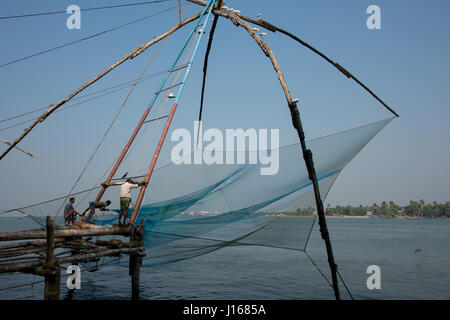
{"x": 51, "y": 272}
{"x": 136, "y": 240}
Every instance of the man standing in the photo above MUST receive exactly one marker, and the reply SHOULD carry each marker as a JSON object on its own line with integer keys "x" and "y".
{"x": 69, "y": 212}
{"x": 96, "y": 205}
{"x": 125, "y": 197}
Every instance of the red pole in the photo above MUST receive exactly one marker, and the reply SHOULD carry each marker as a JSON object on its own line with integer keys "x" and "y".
{"x": 152, "y": 164}
{"x": 124, "y": 152}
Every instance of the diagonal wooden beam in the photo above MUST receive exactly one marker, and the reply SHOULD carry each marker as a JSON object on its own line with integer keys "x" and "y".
{"x": 134, "y": 53}
{"x": 9, "y": 144}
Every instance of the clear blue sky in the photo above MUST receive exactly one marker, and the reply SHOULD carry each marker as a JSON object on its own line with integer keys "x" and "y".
{"x": 406, "y": 63}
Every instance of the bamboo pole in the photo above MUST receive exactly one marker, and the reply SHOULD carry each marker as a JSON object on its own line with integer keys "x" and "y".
{"x": 38, "y": 243}
{"x": 30, "y": 266}
{"x": 136, "y": 239}
{"x": 50, "y": 244}
{"x": 26, "y": 152}
{"x": 134, "y": 53}
{"x": 41, "y": 234}
{"x": 307, "y": 154}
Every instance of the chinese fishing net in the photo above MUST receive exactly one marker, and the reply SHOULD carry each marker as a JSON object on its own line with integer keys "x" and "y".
{"x": 233, "y": 204}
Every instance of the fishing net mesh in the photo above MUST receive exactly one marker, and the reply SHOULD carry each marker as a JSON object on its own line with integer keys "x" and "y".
{"x": 193, "y": 209}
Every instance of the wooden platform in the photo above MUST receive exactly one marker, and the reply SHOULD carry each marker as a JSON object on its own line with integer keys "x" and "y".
{"x": 54, "y": 246}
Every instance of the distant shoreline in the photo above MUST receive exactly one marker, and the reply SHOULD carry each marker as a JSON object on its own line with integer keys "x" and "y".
{"x": 360, "y": 217}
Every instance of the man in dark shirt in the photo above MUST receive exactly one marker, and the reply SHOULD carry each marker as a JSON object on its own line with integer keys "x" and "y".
{"x": 69, "y": 212}
{"x": 96, "y": 205}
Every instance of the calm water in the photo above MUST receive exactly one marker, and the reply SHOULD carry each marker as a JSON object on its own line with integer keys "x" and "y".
{"x": 245, "y": 272}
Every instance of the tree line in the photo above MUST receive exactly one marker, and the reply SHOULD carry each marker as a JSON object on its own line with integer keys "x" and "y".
{"x": 386, "y": 209}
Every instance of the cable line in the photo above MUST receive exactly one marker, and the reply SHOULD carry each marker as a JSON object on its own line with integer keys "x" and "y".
{"x": 88, "y": 9}
{"x": 85, "y": 38}
{"x": 205, "y": 67}
{"x": 120, "y": 86}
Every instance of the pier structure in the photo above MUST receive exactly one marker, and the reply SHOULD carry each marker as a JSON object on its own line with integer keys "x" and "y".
{"x": 43, "y": 251}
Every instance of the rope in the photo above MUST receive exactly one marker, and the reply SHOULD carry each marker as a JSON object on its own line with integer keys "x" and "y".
{"x": 318, "y": 269}
{"x": 205, "y": 68}
{"x": 345, "y": 285}
{"x": 35, "y": 219}
{"x": 76, "y": 104}
{"x": 21, "y": 285}
{"x": 88, "y": 9}
{"x": 123, "y": 85}
{"x": 97, "y": 183}
{"x": 309, "y": 234}
{"x": 47, "y": 201}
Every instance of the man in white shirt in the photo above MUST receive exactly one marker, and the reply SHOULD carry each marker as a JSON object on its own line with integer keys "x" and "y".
{"x": 125, "y": 197}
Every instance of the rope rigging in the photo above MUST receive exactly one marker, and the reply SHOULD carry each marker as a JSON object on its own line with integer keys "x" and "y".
{"x": 111, "y": 90}
{"x": 85, "y": 38}
{"x": 87, "y": 9}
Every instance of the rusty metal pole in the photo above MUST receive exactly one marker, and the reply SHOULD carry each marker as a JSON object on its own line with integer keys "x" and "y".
{"x": 152, "y": 164}
{"x": 124, "y": 152}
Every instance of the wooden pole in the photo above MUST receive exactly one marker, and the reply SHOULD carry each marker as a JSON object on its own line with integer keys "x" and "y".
{"x": 130, "y": 55}
{"x": 30, "y": 266}
{"x": 136, "y": 240}
{"x": 52, "y": 273}
{"x": 307, "y": 154}
{"x": 179, "y": 11}
{"x": 41, "y": 234}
